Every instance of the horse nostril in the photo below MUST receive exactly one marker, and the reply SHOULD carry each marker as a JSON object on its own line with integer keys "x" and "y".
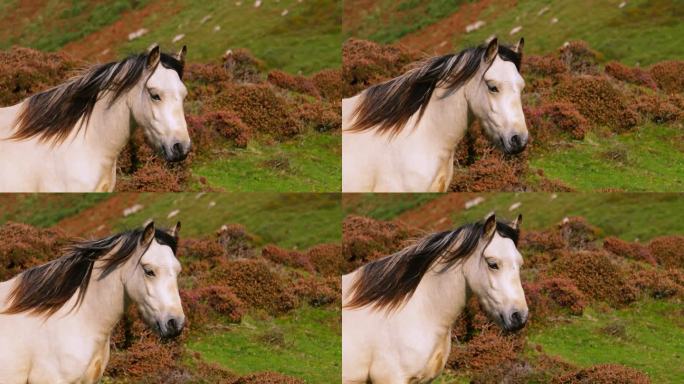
{"x": 172, "y": 326}
{"x": 177, "y": 148}
{"x": 517, "y": 319}
{"x": 516, "y": 141}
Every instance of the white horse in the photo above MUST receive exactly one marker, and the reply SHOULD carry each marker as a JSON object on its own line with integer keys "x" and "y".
{"x": 401, "y": 135}
{"x": 67, "y": 139}
{"x": 56, "y": 320}
{"x": 398, "y": 311}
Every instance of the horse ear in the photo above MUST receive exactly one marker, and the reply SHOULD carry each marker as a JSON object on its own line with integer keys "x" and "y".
{"x": 517, "y": 222}
{"x": 489, "y": 227}
{"x": 181, "y": 55}
{"x": 153, "y": 56}
{"x": 519, "y": 47}
{"x": 148, "y": 234}
{"x": 492, "y": 50}
{"x": 176, "y": 230}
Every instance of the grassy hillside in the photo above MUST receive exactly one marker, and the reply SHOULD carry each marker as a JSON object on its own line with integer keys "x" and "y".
{"x": 642, "y": 32}
{"x": 305, "y": 39}
{"x": 629, "y": 216}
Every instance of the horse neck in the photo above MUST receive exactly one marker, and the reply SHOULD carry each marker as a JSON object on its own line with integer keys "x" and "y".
{"x": 445, "y": 118}
{"x": 442, "y": 295}
{"x": 109, "y": 127}
{"x": 104, "y": 302}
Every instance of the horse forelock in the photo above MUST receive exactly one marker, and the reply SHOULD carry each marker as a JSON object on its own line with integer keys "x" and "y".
{"x": 53, "y": 114}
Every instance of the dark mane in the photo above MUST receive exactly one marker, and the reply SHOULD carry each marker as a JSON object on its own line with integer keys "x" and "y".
{"x": 389, "y": 106}
{"x": 389, "y": 282}
{"x": 45, "y": 289}
{"x": 51, "y": 115}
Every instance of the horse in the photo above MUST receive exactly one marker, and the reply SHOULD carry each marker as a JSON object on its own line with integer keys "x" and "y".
{"x": 57, "y": 319}
{"x": 67, "y": 138}
{"x": 398, "y": 311}
{"x": 401, "y": 135}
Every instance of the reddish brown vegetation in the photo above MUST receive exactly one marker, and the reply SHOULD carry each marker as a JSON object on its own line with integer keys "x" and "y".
{"x": 668, "y": 251}
{"x": 24, "y": 246}
{"x": 604, "y": 374}
{"x": 366, "y": 239}
{"x": 624, "y": 73}
{"x": 25, "y": 71}
{"x": 668, "y": 75}
{"x": 597, "y": 275}
{"x": 598, "y": 100}
{"x": 634, "y": 251}
{"x": 548, "y": 121}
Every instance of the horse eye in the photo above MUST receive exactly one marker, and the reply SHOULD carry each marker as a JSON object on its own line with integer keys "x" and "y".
{"x": 154, "y": 96}
{"x": 493, "y": 88}
{"x": 148, "y": 272}
{"x": 492, "y": 265}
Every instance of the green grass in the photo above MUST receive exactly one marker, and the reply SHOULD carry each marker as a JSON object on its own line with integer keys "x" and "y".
{"x": 652, "y": 341}
{"x": 307, "y": 345}
{"x": 389, "y": 20}
{"x": 308, "y": 163}
{"x": 644, "y": 31}
{"x": 384, "y": 206}
{"x": 43, "y": 210}
{"x": 651, "y": 158}
{"x": 296, "y": 221}
{"x": 628, "y": 216}
{"x": 306, "y": 40}
{"x": 61, "y": 22}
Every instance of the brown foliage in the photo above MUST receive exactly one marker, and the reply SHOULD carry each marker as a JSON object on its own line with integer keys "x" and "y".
{"x": 668, "y": 251}
{"x": 603, "y": 374}
{"x": 668, "y": 76}
{"x": 547, "y": 121}
{"x": 596, "y": 275}
{"x": 255, "y": 284}
{"x": 262, "y": 109}
{"x": 544, "y": 65}
{"x": 627, "y": 74}
{"x": 365, "y": 63}
{"x": 267, "y": 378}
{"x": 205, "y": 129}
{"x": 220, "y": 299}
{"x": 24, "y": 246}
{"x": 598, "y": 100}
{"x": 366, "y": 239}
{"x": 634, "y": 251}
{"x": 487, "y": 349}
{"x": 297, "y": 83}
{"x": 579, "y": 58}
{"x": 25, "y": 71}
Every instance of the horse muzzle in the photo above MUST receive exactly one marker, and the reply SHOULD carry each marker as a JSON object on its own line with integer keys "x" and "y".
{"x": 176, "y": 151}
{"x": 515, "y": 144}
{"x": 170, "y": 327}
{"x": 514, "y": 321}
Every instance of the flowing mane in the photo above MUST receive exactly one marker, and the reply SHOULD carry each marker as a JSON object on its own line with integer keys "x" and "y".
{"x": 388, "y": 106}
{"x": 389, "y": 282}
{"x": 45, "y": 289}
{"x": 53, "y": 114}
